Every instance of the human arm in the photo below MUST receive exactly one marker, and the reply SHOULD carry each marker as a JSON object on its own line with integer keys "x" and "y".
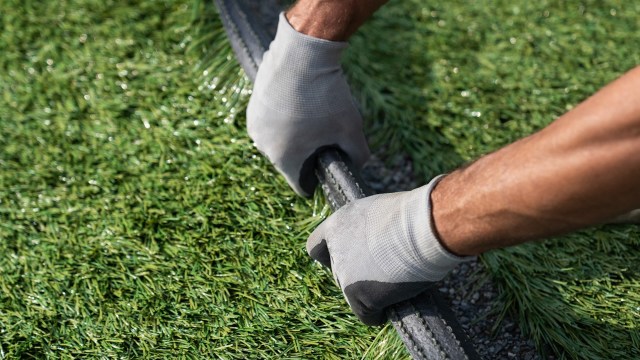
{"x": 579, "y": 171}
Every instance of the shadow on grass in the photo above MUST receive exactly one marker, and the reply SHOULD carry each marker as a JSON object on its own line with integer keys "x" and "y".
{"x": 563, "y": 295}
{"x": 388, "y": 66}
{"x": 576, "y": 294}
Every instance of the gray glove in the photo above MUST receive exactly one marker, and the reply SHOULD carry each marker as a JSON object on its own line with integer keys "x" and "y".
{"x": 382, "y": 250}
{"x": 300, "y": 104}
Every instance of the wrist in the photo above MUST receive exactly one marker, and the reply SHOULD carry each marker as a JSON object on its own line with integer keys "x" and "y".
{"x": 448, "y": 218}
{"x": 319, "y": 20}
{"x": 334, "y": 20}
{"x": 429, "y": 244}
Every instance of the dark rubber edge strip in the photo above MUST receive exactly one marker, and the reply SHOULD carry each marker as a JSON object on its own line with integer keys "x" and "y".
{"x": 425, "y": 323}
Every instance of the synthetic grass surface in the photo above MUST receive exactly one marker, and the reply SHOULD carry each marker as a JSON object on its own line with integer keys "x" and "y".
{"x": 449, "y": 82}
{"x": 137, "y": 221}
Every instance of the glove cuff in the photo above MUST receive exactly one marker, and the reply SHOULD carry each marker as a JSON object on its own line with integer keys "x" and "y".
{"x": 437, "y": 259}
{"x": 404, "y": 221}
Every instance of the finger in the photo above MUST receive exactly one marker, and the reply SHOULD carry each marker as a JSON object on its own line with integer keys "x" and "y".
{"x": 317, "y": 245}
{"x": 377, "y": 318}
{"x": 307, "y": 181}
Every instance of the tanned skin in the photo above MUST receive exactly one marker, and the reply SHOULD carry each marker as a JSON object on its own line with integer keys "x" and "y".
{"x": 581, "y": 170}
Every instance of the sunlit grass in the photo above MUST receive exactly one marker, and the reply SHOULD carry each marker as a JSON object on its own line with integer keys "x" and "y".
{"x": 137, "y": 220}
{"x": 448, "y": 82}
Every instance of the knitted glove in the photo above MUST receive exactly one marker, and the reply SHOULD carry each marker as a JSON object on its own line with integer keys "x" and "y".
{"x": 382, "y": 250}
{"x": 302, "y": 103}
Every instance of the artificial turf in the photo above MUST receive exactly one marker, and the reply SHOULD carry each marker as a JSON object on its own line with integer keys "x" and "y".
{"x": 137, "y": 220}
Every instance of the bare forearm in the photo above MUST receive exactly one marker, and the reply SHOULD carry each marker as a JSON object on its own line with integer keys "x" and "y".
{"x": 333, "y": 20}
{"x": 579, "y": 171}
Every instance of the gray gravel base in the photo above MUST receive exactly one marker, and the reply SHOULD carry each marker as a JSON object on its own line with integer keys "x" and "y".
{"x": 471, "y": 306}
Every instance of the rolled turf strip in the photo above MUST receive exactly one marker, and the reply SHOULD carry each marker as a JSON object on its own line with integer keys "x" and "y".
{"x": 426, "y": 325}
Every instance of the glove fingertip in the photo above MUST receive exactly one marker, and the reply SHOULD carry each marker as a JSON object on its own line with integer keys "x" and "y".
{"x": 317, "y": 247}
{"x": 307, "y": 180}
{"x": 375, "y": 319}
{"x": 321, "y": 254}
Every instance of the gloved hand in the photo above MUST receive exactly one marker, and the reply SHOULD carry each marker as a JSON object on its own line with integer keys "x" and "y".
{"x": 382, "y": 250}
{"x": 302, "y": 103}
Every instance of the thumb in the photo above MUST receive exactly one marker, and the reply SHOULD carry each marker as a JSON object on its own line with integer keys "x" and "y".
{"x": 317, "y": 245}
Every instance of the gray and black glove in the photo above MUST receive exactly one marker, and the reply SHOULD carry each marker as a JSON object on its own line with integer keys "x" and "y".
{"x": 302, "y": 103}
{"x": 382, "y": 250}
